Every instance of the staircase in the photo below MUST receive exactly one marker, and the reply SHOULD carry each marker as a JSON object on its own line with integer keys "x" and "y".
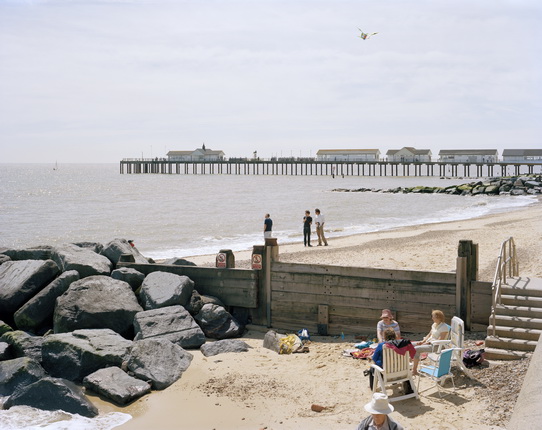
{"x": 518, "y": 320}
{"x": 515, "y": 323}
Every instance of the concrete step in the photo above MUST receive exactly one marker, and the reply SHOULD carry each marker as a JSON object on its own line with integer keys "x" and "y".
{"x": 514, "y": 321}
{"x": 504, "y": 354}
{"x": 523, "y": 286}
{"x": 510, "y": 344}
{"x": 519, "y": 300}
{"x": 519, "y": 311}
{"x": 515, "y": 332}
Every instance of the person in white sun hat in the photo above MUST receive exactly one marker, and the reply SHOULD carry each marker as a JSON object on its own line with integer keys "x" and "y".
{"x": 380, "y": 408}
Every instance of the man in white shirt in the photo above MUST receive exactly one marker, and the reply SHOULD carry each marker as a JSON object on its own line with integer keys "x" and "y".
{"x": 319, "y": 220}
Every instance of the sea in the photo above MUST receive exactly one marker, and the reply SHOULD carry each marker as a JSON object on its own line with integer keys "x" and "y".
{"x": 187, "y": 215}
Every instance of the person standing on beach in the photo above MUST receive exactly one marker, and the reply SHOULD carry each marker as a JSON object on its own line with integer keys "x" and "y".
{"x": 267, "y": 226}
{"x": 307, "y": 222}
{"x": 319, "y": 220}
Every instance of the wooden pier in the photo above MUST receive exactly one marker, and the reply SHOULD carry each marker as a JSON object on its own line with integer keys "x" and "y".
{"x": 325, "y": 168}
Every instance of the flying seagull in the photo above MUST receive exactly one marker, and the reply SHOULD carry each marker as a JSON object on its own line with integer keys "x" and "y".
{"x": 365, "y": 35}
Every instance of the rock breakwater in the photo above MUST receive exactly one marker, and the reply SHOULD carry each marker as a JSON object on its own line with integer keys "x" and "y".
{"x": 70, "y": 318}
{"x": 515, "y": 186}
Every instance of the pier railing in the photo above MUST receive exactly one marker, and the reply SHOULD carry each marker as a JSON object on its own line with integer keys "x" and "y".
{"x": 314, "y": 167}
{"x": 507, "y": 265}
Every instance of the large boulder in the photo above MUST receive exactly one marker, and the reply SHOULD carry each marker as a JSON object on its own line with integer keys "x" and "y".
{"x": 4, "y": 259}
{"x": 133, "y": 277}
{"x": 84, "y": 260}
{"x": 114, "y": 249}
{"x": 23, "y": 344}
{"x": 223, "y": 346}
{"x": 161, "y": 289}
{"x": 93, "y": 246}
{"x": 20, "y": 281}
{"x": 96, "y": 302}
{"x": 217, "y": 323}
{"x": 158, "y": 360}
{"x": 173, "y": 323}
{"x": 116, "y": 385}
{"x": 44, "y": 252}
{"x": 76, "y": 355}
{"x": 53, "y": 394}
{"x": 38, "y": 311}
{"x": 18, "y": 373}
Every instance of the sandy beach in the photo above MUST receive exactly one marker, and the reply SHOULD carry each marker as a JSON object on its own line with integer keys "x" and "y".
{"x": 260, "y": 389}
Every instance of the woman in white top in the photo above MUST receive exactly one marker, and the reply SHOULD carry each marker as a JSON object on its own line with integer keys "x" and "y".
{"x": 387, "y": 321}
{"x": 439, "y": 331}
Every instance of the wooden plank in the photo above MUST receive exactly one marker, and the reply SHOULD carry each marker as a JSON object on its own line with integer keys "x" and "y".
{"x": 346, "y": 286}
{"x": 381, "y": 301}
{"x": 342, "y": 271}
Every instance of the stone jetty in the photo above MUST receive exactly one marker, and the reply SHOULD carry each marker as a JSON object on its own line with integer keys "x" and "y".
{"x": 70, "y": 320}
{"x": 515, "y": 186}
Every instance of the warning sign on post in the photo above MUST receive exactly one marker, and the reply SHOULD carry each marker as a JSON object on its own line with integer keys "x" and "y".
{"x": 256, "y": 262}
{"x": 221, "y": 260}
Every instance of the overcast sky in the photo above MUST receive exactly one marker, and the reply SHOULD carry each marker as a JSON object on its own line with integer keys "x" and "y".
{"x": 98, "y": 81}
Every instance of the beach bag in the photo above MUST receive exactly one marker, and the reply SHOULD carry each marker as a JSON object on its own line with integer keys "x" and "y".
{"x": 472, "y": 357}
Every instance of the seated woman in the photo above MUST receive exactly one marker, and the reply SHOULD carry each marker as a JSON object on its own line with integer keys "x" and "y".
{"x": 387, "y": 321}
{"x": 401, "y": 346}
{"x": 439, "y": 331}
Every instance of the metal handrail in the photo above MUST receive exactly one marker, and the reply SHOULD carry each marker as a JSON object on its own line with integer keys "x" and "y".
{"x": 507, "y": 265}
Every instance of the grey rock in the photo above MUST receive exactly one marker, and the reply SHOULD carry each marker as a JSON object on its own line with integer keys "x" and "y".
{"x": 159, "y": 361}
{"x": 223, "y": 346}
{"x": 114, "y": 249}
{"x": 18, "y": 373}
{"x": 96, "y": 302}
{"x": 173, "y": 323}
{"x": 84, "y": 260}
{"x": 20, "y": 281}
{"x": 179, "y": 262}
{"x": 38, "y": 311}
{"x": 76, "y": 355}
{"x": 513, "y": 192}
{"x": 161, "y": 289}
{"x": 133, "y": 277}
{"x": 53, "y": 394}
{"x": 116, "y": 385}
{"x": 217, "y": 323}
{"x": 4, "y": 258}
{"x": 23, "y": 344}
{"x": 195, "y": 303}
{"x": 5, "y": 351}
{"x": 34, "y": 253}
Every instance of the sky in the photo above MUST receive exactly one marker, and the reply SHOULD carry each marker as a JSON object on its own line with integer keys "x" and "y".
{"x": 96, "y": 81}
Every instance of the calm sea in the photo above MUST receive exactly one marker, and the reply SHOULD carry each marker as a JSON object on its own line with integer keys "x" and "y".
{"x": 186, "y": 215}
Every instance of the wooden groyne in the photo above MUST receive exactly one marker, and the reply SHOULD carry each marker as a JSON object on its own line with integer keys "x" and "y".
{"x": 312, "y": 167}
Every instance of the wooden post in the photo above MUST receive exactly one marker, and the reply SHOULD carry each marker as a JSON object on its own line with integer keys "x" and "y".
{"x": 466, "y": 272}
{"x": 323, "y": 319}
{"x": 225, "y": 259}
